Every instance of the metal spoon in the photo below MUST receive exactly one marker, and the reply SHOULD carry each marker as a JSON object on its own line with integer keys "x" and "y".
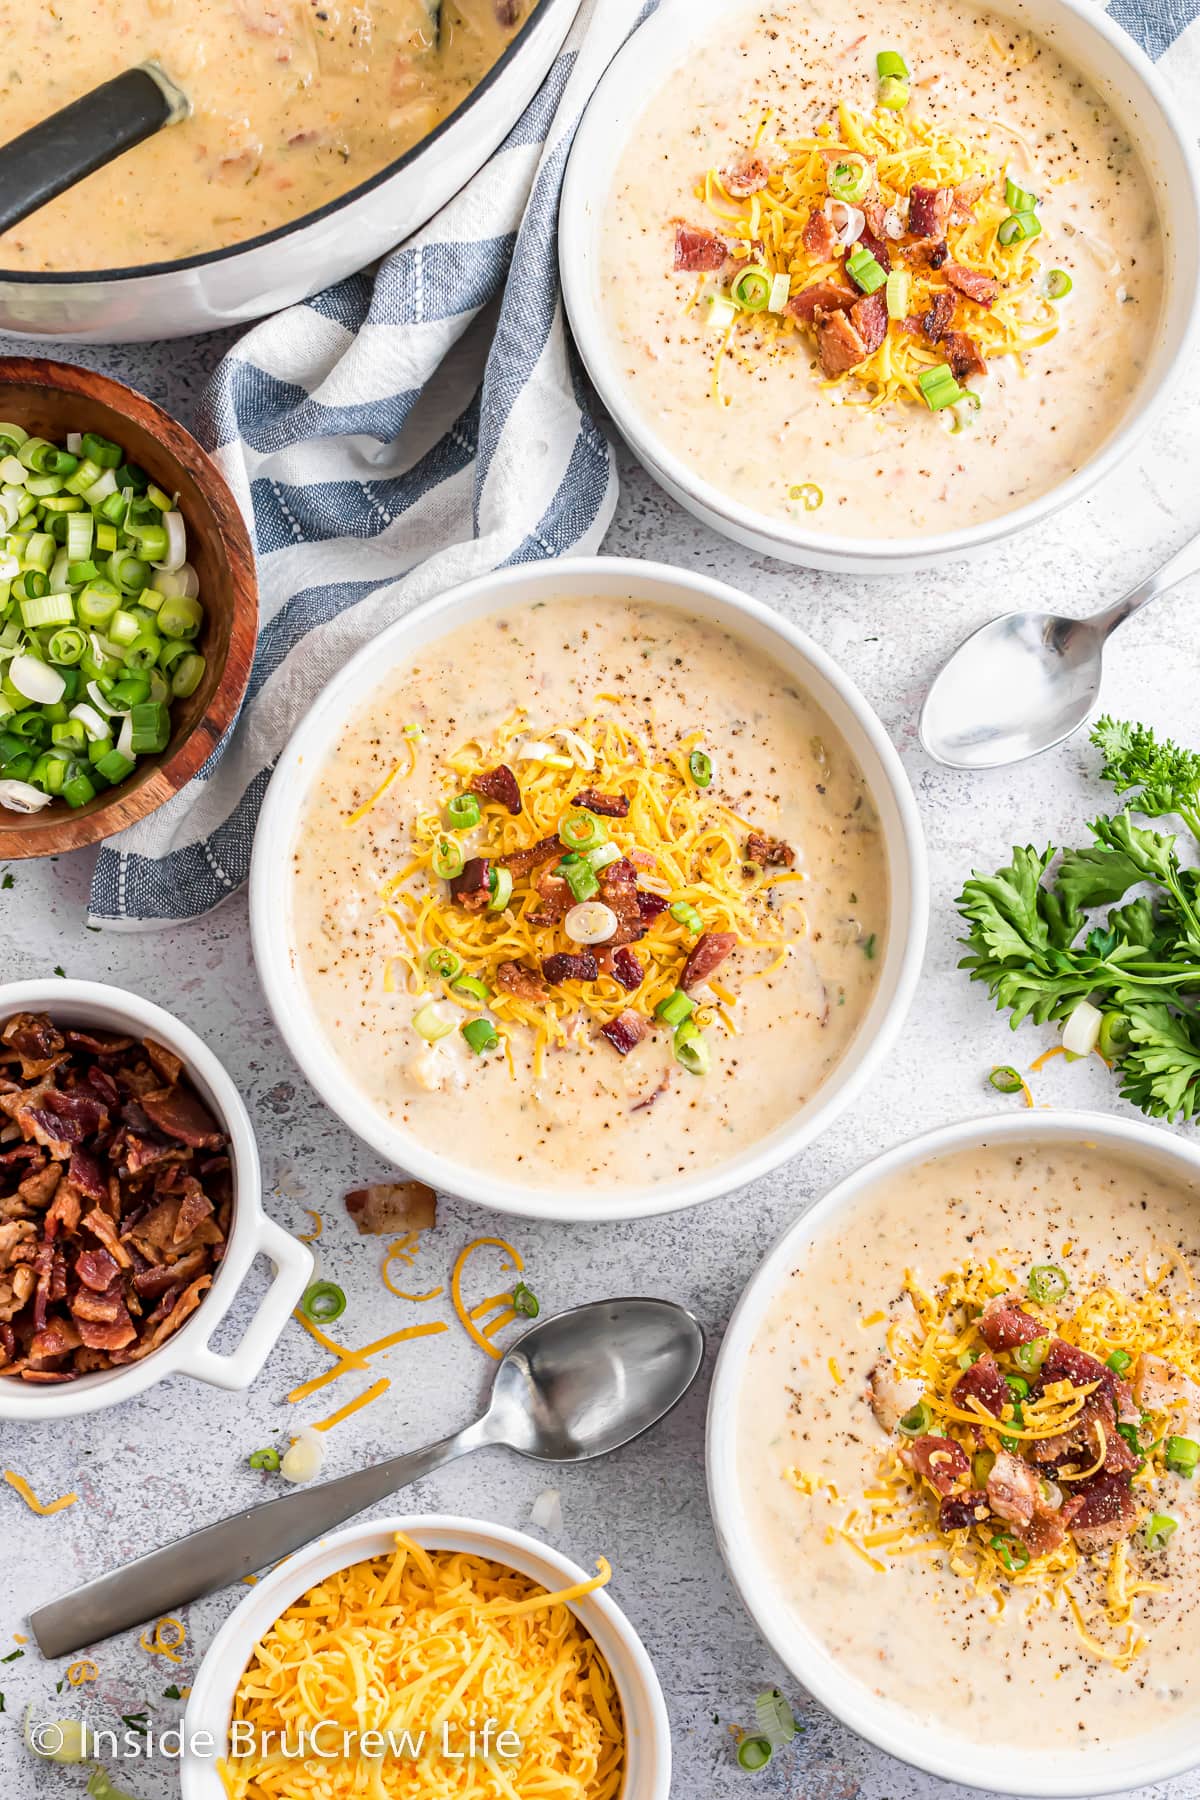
{"x": 59, "y": 151}
{"x": 574, "y": 1387}
{"x": 1028, "y": 680}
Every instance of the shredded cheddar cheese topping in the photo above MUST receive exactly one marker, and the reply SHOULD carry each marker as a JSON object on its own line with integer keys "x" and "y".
{"x": 688, "y": 848}
{"x": 429, "y": 1643}
{"x": 906, "y": 149}
{"x": 44, "y": 1508}
{"x": 894, "y": 1516}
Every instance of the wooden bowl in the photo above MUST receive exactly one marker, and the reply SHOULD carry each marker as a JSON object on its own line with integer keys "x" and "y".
{"x": 52, "y": 399}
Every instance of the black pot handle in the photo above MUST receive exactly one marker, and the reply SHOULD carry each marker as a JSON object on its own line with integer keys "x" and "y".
{"x": 59, "y": 151}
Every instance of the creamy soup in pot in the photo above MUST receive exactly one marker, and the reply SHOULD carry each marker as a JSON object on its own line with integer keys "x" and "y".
{"x": 969, "y": 1424}
{"x": 599, "y": 881}
{"x": 294, "y": 102}
{"x": 880, "y": 304}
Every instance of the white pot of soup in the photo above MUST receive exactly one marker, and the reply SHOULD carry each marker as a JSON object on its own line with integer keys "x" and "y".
{"x": 954, "y": 1452}
{"x": 867, "y": 290}
{"x": 589, "y": 891}
{"x": 321, "y": 134}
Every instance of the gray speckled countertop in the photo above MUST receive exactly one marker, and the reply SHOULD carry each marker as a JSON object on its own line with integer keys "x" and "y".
{"x": 176, "y": 1458}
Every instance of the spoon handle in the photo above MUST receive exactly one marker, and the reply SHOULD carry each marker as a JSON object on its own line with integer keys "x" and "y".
{"x": 59, "y": 151}
{"x": 164, "y": 1580}
{"x": 1177, "y": 568}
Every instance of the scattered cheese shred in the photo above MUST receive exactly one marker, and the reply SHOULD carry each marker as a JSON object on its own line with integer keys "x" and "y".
{"x": 355, "y": 1359}
{"x": 43, "y": 1508}
{"x": 82, "y": 1671}
{"x": 430, "y": 1643}
{"x": 162, "y": 1645}
{"x": 401, "y": 1251}
{"x": 352, "y": 1406}
{"x": 516, "y": 1264}
{"x": 310, "y": 1237}
{"x": 1039, "y": 1062}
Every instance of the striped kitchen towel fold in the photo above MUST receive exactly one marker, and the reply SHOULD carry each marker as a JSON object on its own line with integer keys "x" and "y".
{"x": 377, "y": 474}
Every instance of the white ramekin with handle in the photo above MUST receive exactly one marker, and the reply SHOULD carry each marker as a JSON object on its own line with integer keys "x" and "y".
{"x": 210, "y": 1708}
{"x": 252, "y": 1233}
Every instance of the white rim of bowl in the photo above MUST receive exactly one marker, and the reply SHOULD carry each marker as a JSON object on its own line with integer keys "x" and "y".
{"x": 840, "y": 1692}
{"x": 597, "y": 1612}
{"x": 901, "y": 961}
{"x": 252, "y": 1232}
{"x": 576, "y": 234}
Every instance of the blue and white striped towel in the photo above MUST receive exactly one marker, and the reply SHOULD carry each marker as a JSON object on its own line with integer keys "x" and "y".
{"x": 377, "y": 476}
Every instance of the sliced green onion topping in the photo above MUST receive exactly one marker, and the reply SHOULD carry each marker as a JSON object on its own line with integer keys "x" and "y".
{"x": 850, "y": 179}
{"x": 265, "y": 1459}
{"x": 525, "y": 1301}
{"x": 580, "y": 879}
{"x": 1159, "y": 1527}
{"x": 1030, "y": 1357}
{"x": 472, "y": 988}
{"x": 939, "y": 387}
{"x": 1120, "y": 1361}
{"x": 753, "y": 1753}
{"x": 1011, "y": 1551}
{"x": 1005, "y": 1079}
{"x": 691, "y": 1048}
{"x": 481, "y": 1035}
{"x": 897, "y": 287}
{"x": 602, "y": 856}
{"x": 1182, "y": 1455}
{"x": 752, "y": 288}
{"x": 430, "y": 1024}
{"x": 1047, "y": 1283}
{"x": 685, "y": 914}
{"x": 444, "y": 964}
{"x": 865, "y": 271}
{"x": 501, "y": 883}
{"x": 1018, "y": 199}
{"x": 1058, "y": 284}
{"x": 700, "y": 768}
{"x": 462, "y": 813}
{"x": 1018, "y": 1387}
{"x": 917, "y": 1420}
{"x": 580, "y": 831}
{"x": 809, "y": 495}
{"x": 448, "y": 859}
{"x": 890, "y": 62}
{"x": 893, "y": 93}
{"x": 675, "y": 1008}
{"x": 1017, "y": 227}
{"x": 982, "y": 1464}
{"x": 322, "y": 1302}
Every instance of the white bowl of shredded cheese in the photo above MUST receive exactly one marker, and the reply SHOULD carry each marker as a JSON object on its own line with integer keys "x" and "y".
{"x": 358, "y": 1657}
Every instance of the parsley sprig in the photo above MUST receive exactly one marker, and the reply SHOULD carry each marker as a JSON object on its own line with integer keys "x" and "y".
{"x": 1031, "y": 939}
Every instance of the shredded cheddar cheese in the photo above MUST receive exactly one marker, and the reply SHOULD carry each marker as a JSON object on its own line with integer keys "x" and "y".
{"x": 352, "y": 1406}
{"x": 83, "y": 1671}
{"x": 467, "y": 1320}
{"x": 429, "y": 1643}
{"x": 906, "y": 149}
{"x": 355, "y": 1359}
{"x": 44, "y": 1508}
{"x": 688, "y": 847}
{"x": 162, "y": 1645}
{"x": 310, "y": 1237}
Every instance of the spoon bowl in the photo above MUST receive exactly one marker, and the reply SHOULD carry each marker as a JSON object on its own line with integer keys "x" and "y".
{"x": 586, "y": 1382}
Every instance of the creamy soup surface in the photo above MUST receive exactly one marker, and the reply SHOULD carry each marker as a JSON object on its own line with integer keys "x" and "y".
{"x": 593, "y": 1116}
{"x": 901, "y": 470}
{"x": 293, "y": 103}
{"x": 916, "y": 1634}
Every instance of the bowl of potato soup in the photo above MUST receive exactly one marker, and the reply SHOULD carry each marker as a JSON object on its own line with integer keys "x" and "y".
{"x": 868, "y": 288}
{"x": 589, "y": 891}
{"x": 953, "y": 1445}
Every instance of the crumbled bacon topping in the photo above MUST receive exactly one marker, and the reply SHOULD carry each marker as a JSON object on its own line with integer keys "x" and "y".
{"x": 116, "y": 1196}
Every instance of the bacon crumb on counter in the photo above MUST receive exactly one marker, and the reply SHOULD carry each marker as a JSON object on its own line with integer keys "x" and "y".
{"x": 119, "y": 1202}
{"x": 391, "y": 1207}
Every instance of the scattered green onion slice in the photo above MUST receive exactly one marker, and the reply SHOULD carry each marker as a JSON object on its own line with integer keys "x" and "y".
{"x": 1018, "y": 199}
{"x": 850, "y": 179}
{"x": 265, "y": 1459}
{"x": 472, "y": 988}
{"x": 890, "y": 62}
{"x": 865, "y": 271}
{"x": 581, "y": 880}
{"x": 1047, "y": 1283}
{"x": 1011, "y": 1551}
{"x": 1005, "y": 1079}
{"x": 1017, "y": 227}
{"x": 1159, "y": 1527}
{"x": 1182, "y": 1456}
{"x": 462, "y": 813}
{"x": 700, "y": 768}
{"x": 481, "y": 1035}
{"x": 1030, "y": 1357}
{"x": 322, "y": 1302}
{"x": 444, "y": 964}
{"x": 1058, "y": 284}
{"x": 1120, "y": 1361}
{"x": 501, "y": 883}
{"x": 691, "y": 1048}
{"x": 675, "y": 1008}
{"x": 809, "y": 495}
{"x": 752, "y": 288}
{"x": 774, "y": 1718}
{"x": 917, "y": 1420}
{"x": 580, "y": 831}
{"x": 753, "y": 1753}
{"x": 448, "y": 859}
{"x": 429, "y": 1023}
{"x": 525, "y": 1301}
{"x": 684, "y": 913}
